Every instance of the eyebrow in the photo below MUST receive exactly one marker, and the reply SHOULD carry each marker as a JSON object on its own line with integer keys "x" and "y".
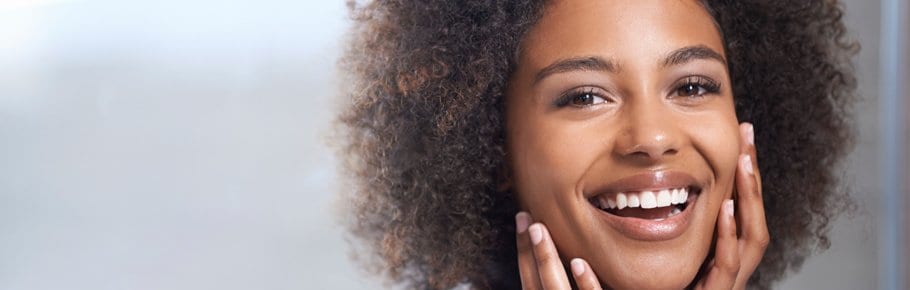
{"x": 691, "y": 53}
{"x": 595, "y": 63}
{"x": 585, "y": 63}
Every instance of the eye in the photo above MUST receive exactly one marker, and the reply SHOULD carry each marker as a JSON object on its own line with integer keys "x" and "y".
{"x": 697, "y": 86}
{"x": 691, "y": 90}
{"x": 583, "y": 97}
{"x": 586, "y": 99}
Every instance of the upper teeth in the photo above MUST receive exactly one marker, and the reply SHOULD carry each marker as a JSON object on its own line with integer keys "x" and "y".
{"x": 644, "y": 199}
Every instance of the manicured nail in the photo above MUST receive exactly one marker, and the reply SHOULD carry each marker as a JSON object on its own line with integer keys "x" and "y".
{"x": 578, "y": 267}
{"x": 750, "y": 134}
{"x": 522, "y": 220}
{"x": 536, "y": 234}
{"x": 728, "y": 207}
{"x": 746, "y": 163}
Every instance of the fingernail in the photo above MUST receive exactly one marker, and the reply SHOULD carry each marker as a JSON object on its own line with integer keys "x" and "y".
{"x": 750, "y": 134}
{"x": 522, "y": 220}
{"x": 536, "y": 234}
{"x": 728, "y": 207}
{"x": 578, "y": 267}
{"x": 746, "y": 163}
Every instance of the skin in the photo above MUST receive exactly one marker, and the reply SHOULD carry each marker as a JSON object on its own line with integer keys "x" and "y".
{"x": 638, "y": 111}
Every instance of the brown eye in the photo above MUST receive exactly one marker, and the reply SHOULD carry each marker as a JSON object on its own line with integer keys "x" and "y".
{"x": 583, "y": 97}
{"x": 688, "y": 90}
{"x": 587, "y": 99}
{"x": 697, "y": 86}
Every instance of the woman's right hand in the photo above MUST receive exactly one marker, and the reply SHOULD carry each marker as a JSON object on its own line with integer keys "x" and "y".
{"x": 539, "y": 263}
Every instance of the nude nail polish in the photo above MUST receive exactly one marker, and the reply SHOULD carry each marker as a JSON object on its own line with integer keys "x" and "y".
{"x": 746, "y": 163}
{"x": 522, "y": 220}
{"x": 750, "y": 134}
{"x": 578, "y": 267}
{"x": 536, "y": 234}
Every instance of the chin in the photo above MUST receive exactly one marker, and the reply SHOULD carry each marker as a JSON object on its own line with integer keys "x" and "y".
{"x": 674, "y": 271}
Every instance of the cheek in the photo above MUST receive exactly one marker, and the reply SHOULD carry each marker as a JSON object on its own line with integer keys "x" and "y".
{"x": 546, "y": 160}
{"x": 538, "y": 165}
{"x": 719, "y": 143}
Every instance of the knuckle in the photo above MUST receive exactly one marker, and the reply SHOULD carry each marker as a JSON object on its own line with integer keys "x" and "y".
{"x": 731, "y": 269}
{"x": 764, "y": 241}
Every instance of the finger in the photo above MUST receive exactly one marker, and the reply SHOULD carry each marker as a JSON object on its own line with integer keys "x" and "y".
{"x": 750, "y": 214}
{"x": 527, "y": 266}
{"x": 722, "y": 275}
{"x": 584, "y": 276}
{"x": 549, "y": 266}
{"x": 747, "y": 132}
{"x": 751, "y": 209}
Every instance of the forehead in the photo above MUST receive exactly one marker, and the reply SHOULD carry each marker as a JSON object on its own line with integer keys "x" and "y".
{"x": 619, "y": 29}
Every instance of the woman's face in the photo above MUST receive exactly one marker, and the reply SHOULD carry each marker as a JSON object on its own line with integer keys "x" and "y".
{"x": 622, "y": 136}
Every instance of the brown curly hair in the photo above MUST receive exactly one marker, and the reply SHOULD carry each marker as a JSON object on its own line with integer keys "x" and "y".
{"x": 423, "y": 134}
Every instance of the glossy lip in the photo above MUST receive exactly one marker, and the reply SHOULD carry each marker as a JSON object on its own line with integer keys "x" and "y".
{"x": 650, "y": 230}
{"x": 652, "y": 181}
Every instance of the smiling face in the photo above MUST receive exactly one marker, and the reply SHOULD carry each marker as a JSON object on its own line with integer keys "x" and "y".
{"x": 622, "y": 135}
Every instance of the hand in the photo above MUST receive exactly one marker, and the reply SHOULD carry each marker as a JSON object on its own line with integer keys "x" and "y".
{"x": 539, "y": 263}
{"x": 735, "y": 258}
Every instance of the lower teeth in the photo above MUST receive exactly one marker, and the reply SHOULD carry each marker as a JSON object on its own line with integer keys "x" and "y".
{"x": 674, "y": 212}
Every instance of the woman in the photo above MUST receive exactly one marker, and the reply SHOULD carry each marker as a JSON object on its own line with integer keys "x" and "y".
{"x": 494, "y": 145}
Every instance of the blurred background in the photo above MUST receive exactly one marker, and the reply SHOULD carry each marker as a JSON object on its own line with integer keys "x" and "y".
{"x": 182, "y": 145}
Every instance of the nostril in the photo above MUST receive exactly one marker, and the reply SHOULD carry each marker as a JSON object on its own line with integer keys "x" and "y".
{"x": 640, "y": 154}
{"x": 645, "y": 153}
{"x": 644, "y": 145}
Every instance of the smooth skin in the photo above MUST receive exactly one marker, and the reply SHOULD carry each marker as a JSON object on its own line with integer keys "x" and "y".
{"x": 644, "y": 87}
{"x": 735, "y": 258}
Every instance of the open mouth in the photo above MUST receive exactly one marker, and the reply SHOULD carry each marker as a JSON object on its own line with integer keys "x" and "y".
{"x": 653, "y": 205}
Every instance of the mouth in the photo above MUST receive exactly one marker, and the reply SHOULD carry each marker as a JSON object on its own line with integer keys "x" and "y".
{"x": 652, "y": 206}
{"x": 655, "y": 205}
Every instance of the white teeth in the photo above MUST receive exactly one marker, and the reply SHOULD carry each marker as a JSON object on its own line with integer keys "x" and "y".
{"x": 644, "y": 199}
{"x": 663, "y": 198}
{"x": 648, "y": 200}
{"x": 603, "y": 202}
{"x": 598, "y": 202}
{"x": 633, "y": 200}
{"x": 621, "y": 200}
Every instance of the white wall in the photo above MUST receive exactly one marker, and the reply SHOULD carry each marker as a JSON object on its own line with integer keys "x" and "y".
{"x": 180, "y": 145}
{"x": 168, "y": 145}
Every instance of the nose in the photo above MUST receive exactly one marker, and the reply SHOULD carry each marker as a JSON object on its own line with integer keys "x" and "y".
{"x": 648, "y": 134}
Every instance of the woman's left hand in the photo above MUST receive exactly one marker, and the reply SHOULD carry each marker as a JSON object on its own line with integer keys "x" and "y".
{"x": 736, "y": 257}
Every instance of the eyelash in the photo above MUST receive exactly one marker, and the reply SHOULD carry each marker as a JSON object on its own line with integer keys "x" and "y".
{"x": 699, "y": 83}
{"x": 575, "y": 94}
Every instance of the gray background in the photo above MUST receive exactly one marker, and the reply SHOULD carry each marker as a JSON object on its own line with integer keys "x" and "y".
{"x": 181, "y": 145}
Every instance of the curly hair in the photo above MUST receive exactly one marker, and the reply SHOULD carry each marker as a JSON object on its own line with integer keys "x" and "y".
{"x": 423, "y": 134}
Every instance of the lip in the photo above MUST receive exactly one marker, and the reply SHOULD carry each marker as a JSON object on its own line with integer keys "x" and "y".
{"x": 652, "y": 181}
{"x": 650, "y": 230}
